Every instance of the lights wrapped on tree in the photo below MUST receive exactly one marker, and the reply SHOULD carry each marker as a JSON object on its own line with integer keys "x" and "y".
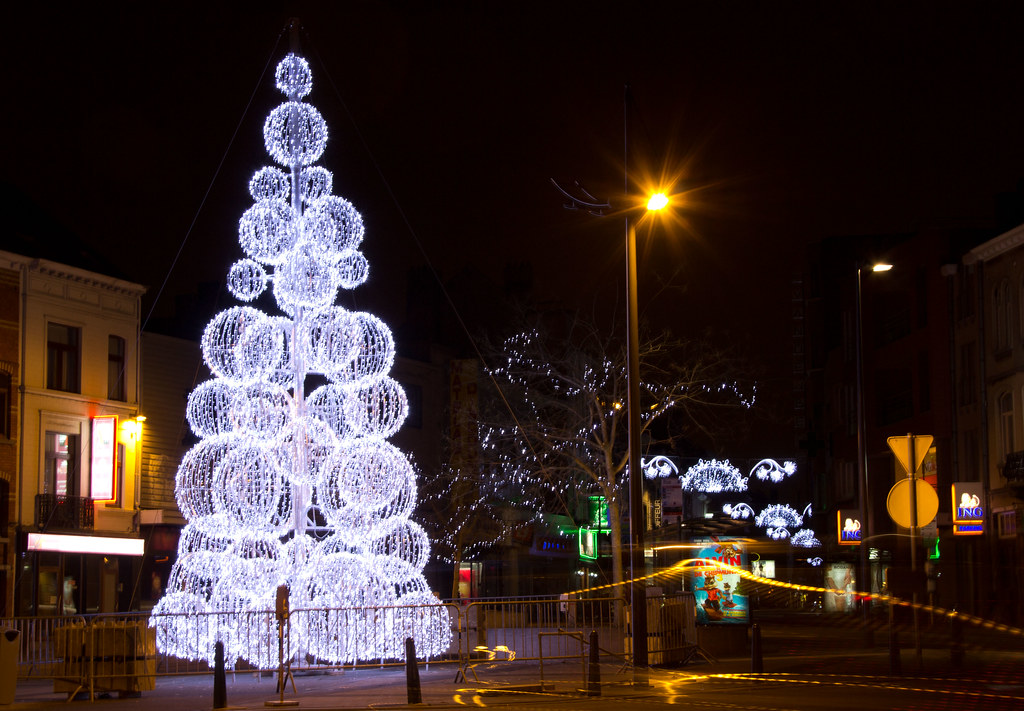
{"x": 285, "y": 488}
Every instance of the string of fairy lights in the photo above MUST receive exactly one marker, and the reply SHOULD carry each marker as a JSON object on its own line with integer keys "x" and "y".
{"x": 286, "y": 488}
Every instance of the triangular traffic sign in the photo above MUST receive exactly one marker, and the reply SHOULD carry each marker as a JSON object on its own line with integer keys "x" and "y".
{"x": 900, "y": 446}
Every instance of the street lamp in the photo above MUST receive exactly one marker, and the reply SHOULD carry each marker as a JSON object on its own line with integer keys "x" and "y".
{"x": 636, "y": 488}
{"x": 862, "y": 465}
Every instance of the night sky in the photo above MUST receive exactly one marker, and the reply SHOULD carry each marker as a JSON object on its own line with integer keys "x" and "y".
{"x": 778, "y": 123}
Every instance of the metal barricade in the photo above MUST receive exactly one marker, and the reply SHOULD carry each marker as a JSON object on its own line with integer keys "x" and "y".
{"x": 529, "y": 630}
{"x": 122, "y": 651}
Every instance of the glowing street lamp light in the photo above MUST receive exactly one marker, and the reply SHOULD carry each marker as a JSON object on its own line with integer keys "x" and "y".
{"x": 636, "y": 491}
{"x": 658, "y": 201}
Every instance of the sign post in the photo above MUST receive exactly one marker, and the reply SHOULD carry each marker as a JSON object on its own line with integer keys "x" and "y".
{"x": 911, "y": 451}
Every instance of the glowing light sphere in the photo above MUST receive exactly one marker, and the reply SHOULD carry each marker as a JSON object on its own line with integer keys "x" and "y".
{"x": 295, "y": 134}
{"x": 267, "y": 230}
{"x": 290, "y": 488}
{"x": 293, "y": 77}
{"x": 269, "y": 184}
{"x": 246, "y": 280}
{"x": 317, "y": 182}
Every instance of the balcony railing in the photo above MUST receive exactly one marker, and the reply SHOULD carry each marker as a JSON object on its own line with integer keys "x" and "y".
{"x": 67, "y": 513}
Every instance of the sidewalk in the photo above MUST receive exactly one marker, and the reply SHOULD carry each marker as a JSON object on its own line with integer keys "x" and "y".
{"x": 826, "y": 650}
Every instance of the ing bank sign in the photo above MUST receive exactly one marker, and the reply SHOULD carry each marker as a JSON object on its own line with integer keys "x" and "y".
{"x": 968, "y": 508}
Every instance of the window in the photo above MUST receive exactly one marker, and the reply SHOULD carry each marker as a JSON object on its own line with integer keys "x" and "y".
{"x": 115, "y": 368}
{"x": 63, "y": 358}
{"x": 968, "y": 373}
{"x": 1001, "y": 316}
{"x": 1006, "y": 524}
{"x": 61, "y": 464}
{"x": 1006, "y": 425}
{"x": 6, "y": 401}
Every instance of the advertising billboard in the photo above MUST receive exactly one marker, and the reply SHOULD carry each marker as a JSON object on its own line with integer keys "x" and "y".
{"x": 717, "y": 586}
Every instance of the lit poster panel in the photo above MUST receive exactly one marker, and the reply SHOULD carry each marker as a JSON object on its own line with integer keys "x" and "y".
{"x": 840, "y": 583}
{"x": 717, "y": 587}
{"x": 104, "y": 448}
{"x": 848, "y": 527}
{"x": 968, "y": 508}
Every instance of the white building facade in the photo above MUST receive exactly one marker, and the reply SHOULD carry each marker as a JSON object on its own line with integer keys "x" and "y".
{"x": 78, "y": 429}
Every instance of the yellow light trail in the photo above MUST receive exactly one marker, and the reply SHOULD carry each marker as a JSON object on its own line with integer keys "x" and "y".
{"x": 681, "y": 566}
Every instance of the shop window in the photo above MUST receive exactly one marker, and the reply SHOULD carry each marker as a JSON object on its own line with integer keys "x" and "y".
{"x": 63, "y": 357}
{"x": 115, "y": 368}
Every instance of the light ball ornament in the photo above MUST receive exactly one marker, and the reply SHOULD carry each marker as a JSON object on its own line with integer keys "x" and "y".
{"x": 210, "y": 408}
{"x": 293, "y": 77}
{"x": 269, "y": 183}
{"x": 250, "y": 488}
{"x": 305, "y": 280}
{"x": 353, "y": 270}
{"x": 334, "y": 224}
{"x": 295, "y": 134}
{"x": 267, "y": 230}
{"x": 378, "y": 409}
{"x": 247, "y": 279}
{"x": 375, "y": 353}
{"x": 317, "y": 182}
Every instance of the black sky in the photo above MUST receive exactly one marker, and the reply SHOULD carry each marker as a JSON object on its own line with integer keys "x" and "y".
{"x": 783, "y": 122}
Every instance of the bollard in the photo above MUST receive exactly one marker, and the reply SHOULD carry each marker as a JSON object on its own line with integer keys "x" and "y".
{"x": 756, "y": 661}
{"x": 956, "y": 647}
{"x": 594, "y": 669}
{"x": 895, "y": 664}
{"x": 412, "y": 672}
{"x": 220, "y": 693}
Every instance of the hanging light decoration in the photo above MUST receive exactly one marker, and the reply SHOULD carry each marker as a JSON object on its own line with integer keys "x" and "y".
{"x": 286, "y": 488}
{"x": 712, "y": 477}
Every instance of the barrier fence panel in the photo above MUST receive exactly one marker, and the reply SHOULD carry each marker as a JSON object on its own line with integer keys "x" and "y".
{"x": 38, "y": 653}
{"x": 671, "y": 628}
{"x": 122, "y": 652}
{"x": 521, "y": 630}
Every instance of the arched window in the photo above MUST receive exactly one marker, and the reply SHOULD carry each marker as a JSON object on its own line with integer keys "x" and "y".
{"x": 1006, "y": 441}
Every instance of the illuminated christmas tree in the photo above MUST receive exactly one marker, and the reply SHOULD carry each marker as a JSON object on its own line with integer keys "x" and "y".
{"x": 289, "y": 487}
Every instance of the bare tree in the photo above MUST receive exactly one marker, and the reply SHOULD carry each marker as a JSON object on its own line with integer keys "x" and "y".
{"x": 557, "y": 427}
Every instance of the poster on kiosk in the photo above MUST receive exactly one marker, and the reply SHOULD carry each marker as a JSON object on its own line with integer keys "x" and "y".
{"x": 717, "y": 585}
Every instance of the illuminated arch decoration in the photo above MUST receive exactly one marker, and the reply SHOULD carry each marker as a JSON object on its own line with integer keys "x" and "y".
{"x": 777, "y": 519}
{"x": 712, "y": 477}
{"x": 805, "y": 538}
{"x": 770, "y": 470}
{"x": 290, "y": 488}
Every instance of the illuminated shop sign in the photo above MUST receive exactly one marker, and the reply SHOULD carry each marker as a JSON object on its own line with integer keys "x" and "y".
{"x": 968, "y": 508}
{"x": 103, "y": 471}
{"x": 106, "y": 545}
{"x": 848, "y": 528}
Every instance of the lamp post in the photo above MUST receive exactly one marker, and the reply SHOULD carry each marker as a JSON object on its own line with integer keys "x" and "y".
{"x": 638, "y": 592}
{"x": 862, "y": 465}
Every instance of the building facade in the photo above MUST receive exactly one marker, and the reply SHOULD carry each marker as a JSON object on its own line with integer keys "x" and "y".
{"x": 74, "y": 494}
{"x": 990, "y": 369}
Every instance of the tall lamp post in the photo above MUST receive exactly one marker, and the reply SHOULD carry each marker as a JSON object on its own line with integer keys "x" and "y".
{"x": 862, "y": 465}
{"x": 636, "y": 479}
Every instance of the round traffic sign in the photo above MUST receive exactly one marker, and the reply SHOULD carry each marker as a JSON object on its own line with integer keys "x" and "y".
{"x": 898, "y": 503}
